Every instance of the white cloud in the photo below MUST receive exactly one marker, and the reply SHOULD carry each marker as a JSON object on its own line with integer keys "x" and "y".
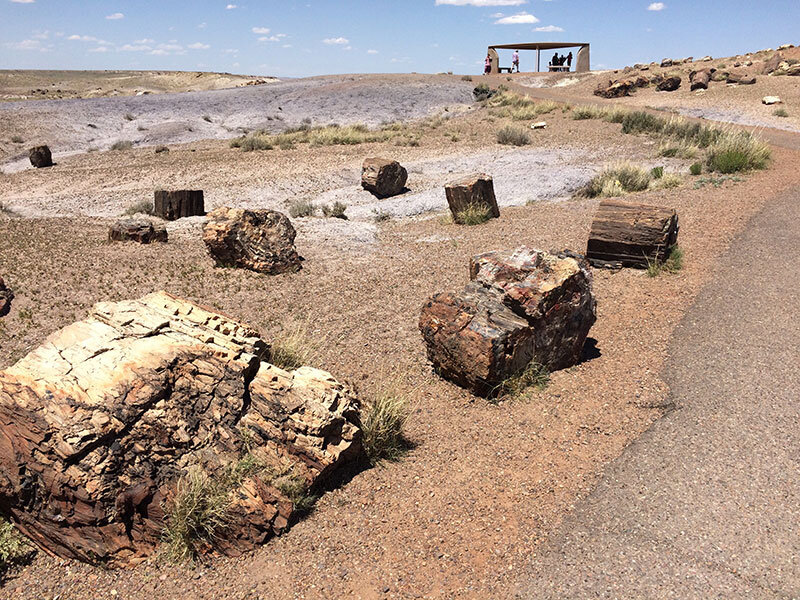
{"x": 231, "y": 7}
{"x": 115, "y": 17}
{"x": 40, "y": 35}
{"x": 24, "y": 1}
{"x": 27, "y": 45}
{"x": 88, "y": 38}
{"x": 287, "y": 46}
{"x": 372, "y": 52}
{"x": 135, "y": 48}
{"x": 198, "y": 46}
{"x": 549, "y": 29}
{"x": 202, "y": 25}
{"x": 481, "y": 2}
{"x": 261, "y": 30}
{"x": 518, "y": 19}
{"x": 272, "y": 38}
{"x": 657, "y": 6}
{"x": 145, "y": 41}
{"x": 333, "y": 41}
{"x": 99, "y": 49}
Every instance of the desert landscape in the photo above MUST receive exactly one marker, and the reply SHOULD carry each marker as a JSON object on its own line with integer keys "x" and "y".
{"x": 399, "y": 396}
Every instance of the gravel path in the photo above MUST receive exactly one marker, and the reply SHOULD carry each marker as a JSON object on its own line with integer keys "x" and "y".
{"x": 705, "y": 504}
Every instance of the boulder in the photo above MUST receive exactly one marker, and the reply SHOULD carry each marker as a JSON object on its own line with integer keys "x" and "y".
{"x": 740, "y": 79}
{"x": 706, "y": 59}
{"x": 102, "y": 424}
{"x": 772, "y": 63}
{"x": 40, "y": 157}
{"x": 539, "y": 125}
{"x": 700, "y": 79}
{"x": 667, "y": 62}
{"x": 615, "y": 89}
{"x": 669, "y": 84}
{"x": 519, "y": 307}
{"x": 770, "y": 100}
{"x": 259, "y": 240}
{"x": 383, "y": 177}
{"x": 641, "y": 82}
{"x": 143, "y": 231}
{"x": 6, "y": 296}
{"x": 176, "y": 204}
{"x": 475, "y": 189}
{"x": 688, "y": 59}
{"x": 160, "y": 149}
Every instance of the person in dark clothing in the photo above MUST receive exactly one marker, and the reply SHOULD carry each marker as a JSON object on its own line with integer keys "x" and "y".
{"x": 569, "y": 60}
{"x": 554, "y": 62}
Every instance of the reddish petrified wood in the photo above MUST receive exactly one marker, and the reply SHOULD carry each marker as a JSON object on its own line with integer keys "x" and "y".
{"x": 178, "y": 204}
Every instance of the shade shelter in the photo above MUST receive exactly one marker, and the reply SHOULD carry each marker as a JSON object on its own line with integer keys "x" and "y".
{"x": 581, "y": 63}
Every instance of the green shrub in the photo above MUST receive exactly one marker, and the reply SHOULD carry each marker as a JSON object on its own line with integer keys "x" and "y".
{"x": 142, "y": 206}
{"x": 696, "y": 169}
{"x": 617, "y": 181}
{"x": 473, "y": 214}
{"x": 516, "y": 387}
{"x": 672, "y": 264}
{"x": 513, "y": 136}
{"x": 667, "y": 181}
{"x": 301, "y": 208}
{"x": 335, "y": 210}
{"x": 780, "y": 112}
{"x": 657, "y": 172}
{"x": 14, "y": 548}
{"x": 16, "y": 139}
{"x": 737, "y": 151}
{"x": 382, "y": 422}
{"x": 466, "y": 78}
{"x": 679, "y": 149}
{"x": 122, "y": 145}
{"x": 483, "y": 92}
{"x": 641, "y": 122}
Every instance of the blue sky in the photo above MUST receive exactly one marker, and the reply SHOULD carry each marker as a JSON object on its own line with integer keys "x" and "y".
{"x": 312, "y": 37}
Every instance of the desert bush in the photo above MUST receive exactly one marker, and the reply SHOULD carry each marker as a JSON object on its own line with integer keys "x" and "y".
{"x": 16, "y": 139}
{"x": 122, "y": 145}
{"x": 583, "y": 113}
{"x": 466, "y": 78}
{"x": 618, "y": 180}
{"x": 639, "y": 121}
{"x": 679, "y": 149}
{"x": 330, "y": 135}
{"x": 474, "y": 214}
{"x": 612, "y": 114}
{"x": 301, "y": 207}
{"x": 379, "y": 215}
{"x": 696, "y": 169}
{"x": 672, "y": 264}
{"x": 513, "y": 136}
{"x": 737, "y": 151}
{"x": 293, "y": 349}
{"x": 657, "y": 172}
{"x": 515, "y": 387}
{"x": 483, "y": 92}
{"x": 780, "y": 112}
{"x": 666, "y": 181}
{"x": 383, "y": 418}
{"x": 411, "y": 141}
{"x": 335, "y": 210}
{"x": 13, "y": 547}
{"x": 141, "y": 206}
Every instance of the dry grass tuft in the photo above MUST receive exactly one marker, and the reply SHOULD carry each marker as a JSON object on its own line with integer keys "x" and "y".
{"x": 672, "y": 264}
{"x": 293, "y": 349}
{"x": 473, "y": 214}
{"x": 618, "y": 180}
{"x": 122, "y": 145}
{"x": 301, "y": 207}
{"x": 513, "y": 136}
{"x": 142, "y": 206}
{"x": 383, "y": 419}
{"x": 517, "y": 386}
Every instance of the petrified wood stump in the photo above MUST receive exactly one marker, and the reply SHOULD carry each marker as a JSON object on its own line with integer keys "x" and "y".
{"x": 178, "y": 204}
{"x": 142, "y": 231}
{"x": 524, "y": 306}
{"x": 99, "y": 423}
{"x": 40, "y": 157}
{"x": 474, "y": 190}
{"x": 383, "y": 177}
{"x": 6, "y": 296}
{"x": 631, "y": 235}
{"x": 700, "y": 79}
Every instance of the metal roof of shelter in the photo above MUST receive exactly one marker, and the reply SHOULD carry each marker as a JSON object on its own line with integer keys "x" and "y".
{"x": 539, "y": 45}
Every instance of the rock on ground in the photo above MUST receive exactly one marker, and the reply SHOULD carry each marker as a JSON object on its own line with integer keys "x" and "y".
{"x": 40, "y": 157}
{"x": 259, "y": 240}
{"x": 99, "y": 424}
{"x": 519, "y": 307}
{"x": 473, "y": 190}
{"x": 6, "y": 296}
{"x": 142, "y": 231}
{"x": 669, "y": 84}
{"x": 383, "y": 177}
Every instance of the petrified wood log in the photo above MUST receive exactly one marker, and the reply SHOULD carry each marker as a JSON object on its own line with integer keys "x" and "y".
{"x": 259, "y": 240}
{"x": 40, "y": 157}
{"x": 631, "y": 235}
{"x": 383, "y": 177}
{"x": 700, "y": 79}
{"x": 6, "y": 296}
{"x": 142, "y": 231}
{"x": 520, "y": 307}
{"x": 474, "y": 190}
{"x": 178, "y": 204}
{"x": 669, "y": 84}
{"x": 98, "y": 425}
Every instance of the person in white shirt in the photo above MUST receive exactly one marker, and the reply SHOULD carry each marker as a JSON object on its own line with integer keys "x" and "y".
{"x": 515, "y": 60}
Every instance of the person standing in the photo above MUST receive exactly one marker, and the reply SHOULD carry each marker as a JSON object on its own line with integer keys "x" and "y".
{"x": 487, "y": 65}
{"x": 569, "y": 61}
{"x": 515, "y": 60}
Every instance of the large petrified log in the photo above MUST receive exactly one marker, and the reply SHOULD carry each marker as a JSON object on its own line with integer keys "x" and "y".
{"x": 259, "y": 240}
{"x": 40, "y": 157}
{"x": 172, "y": 205}
{"x": 520, "y": 307}
{"x": 6, "y": 296}
{"x": 474, "y": 190}
{"x": 631, "y": 235}
{"x": 383, "y": 177}
{"x": 700, "y": 79}
{"x": 142, "y": 231}
{"x": 99, "y": 424}
{"x": 615, "y": 89}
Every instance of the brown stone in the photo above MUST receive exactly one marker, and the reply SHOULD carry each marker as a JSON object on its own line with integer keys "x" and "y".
{"x": 519, "y": 307}
{"x": 142, "y": 231}
{"x": 476, "y": 190}
{"x": 99, "y": 424}
{"x": 641, "y": 82}
{"x": 383, "y": 177}
{"x": 172, "y": 205}
{"x": 669, "y": 84}
{"x": 772, "y": 63}
{"x": 259, "y": 240}
{"x": 667, "y": 62}
{"x": 615, "y": 89}
{"x": 40, "y": 157}
{"x": 631, "y": 235}
{"x": 700, "y": 79}
{"x": 6, "y": 296}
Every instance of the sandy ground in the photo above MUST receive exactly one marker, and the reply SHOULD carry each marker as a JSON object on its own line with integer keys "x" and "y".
{"x": 460, "y": 515}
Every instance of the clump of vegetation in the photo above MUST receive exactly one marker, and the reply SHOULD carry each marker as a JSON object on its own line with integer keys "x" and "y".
{"x": 612, "y": 114}
{"x": 5, "y": 210}
{"x": 679, "y": 149}
{"x": 696, "y": 169}
{"x": 129, "y": 117}
{"x": 410, "y": 141}
{"x": 657, "y": 172}
{"x": 14, "y": 548}
{"x": 122, "y": 145}
{"x": 483, "y": 92}
{"x": 293, "y": 349}
{"x": 383, "y": 419}
{"x": 16, "y": 139}
{"x": 666, "y": 181}
{"x": 513, "y": 136}
{"x": 519, "y": 107}
{"x": 474, "y": 214}
{"x": 640, "y": 121}
{"x": 331, "y": 135}
{"x": 335, "y": 210}
{"x": 301, "y": 207}
{"x": 672, "y": 264}
{"x": 466, "y": 78}
{"x": 533, "y": 376}
{"x": 618, "y": 181}
{"x": 379, "y": 215}
{"x": 142, "y": 206}
{"x": 717, "y": 182}
{"x": 780, "y": 112}
{"x": 737, "y": 151}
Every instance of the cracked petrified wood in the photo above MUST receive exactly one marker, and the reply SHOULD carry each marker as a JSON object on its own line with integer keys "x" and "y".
{"x": 6, "y": 296}
{"x": 259, "y": 240}
{"x": 474, "y": 190}
{"x": 383, "y": 177}
{"x": 631, "y": 235}
{"x": 172, "y": 205}
{"x": 98, "y": 424}
{"x": 40, "y": 157}
{"x": 142, "y": 231}
{"x": 519, "y": 307}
